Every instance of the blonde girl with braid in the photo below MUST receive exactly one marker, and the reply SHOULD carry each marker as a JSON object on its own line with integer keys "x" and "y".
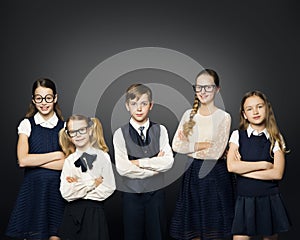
{"x": 205, "y": 205}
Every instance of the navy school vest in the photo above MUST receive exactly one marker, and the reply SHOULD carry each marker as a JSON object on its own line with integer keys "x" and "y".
{"x": 44, "y": 140}
{"x": 255, "y": 148}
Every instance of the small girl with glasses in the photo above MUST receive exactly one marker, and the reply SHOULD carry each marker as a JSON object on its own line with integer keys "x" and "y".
{"x": 39, "y": 206}
{"x": 87, "y": 179}
{"x": 204, "y": 208}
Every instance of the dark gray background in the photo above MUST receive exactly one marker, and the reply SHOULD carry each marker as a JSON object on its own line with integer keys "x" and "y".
{"x": 251, "y": 44}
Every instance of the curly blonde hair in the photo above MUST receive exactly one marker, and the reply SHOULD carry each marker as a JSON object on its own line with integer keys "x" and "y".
{"x": 97, "y": 138}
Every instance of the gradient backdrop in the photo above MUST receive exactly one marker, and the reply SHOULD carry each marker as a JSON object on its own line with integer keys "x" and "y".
{"x": 251, "y": 44}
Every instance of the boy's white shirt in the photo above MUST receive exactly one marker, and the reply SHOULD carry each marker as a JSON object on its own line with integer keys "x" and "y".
{"x": 85, "y": 188}
{"x": 147, "y": 166}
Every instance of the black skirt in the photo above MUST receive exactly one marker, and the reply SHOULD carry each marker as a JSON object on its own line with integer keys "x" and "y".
{"x": 260, "y": 216}
{"x": 84, "y": 220}
{"x": 205, "y": 206}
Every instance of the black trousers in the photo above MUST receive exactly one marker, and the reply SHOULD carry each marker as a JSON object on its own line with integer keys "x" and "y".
{"x": 144, "y": 216}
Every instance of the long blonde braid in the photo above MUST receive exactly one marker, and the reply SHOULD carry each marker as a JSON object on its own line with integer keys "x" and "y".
{"x": 188, "y": 126}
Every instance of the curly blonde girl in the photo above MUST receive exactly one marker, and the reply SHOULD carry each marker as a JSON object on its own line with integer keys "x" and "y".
{"x": 97, "y": 138}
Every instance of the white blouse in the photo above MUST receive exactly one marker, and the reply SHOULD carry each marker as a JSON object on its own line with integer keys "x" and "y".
{"x": 212, "y": 128}
{"x": 85, "y": 187}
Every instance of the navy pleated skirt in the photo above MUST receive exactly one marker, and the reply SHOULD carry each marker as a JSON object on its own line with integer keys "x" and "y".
{"x": 260, "y": 216}
{"x": 205, "y": 206}
{"x": 39, "y": 207}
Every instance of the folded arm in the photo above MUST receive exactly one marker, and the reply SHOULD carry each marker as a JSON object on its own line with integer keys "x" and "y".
{"x": 236, "y": 165}
{"x": 274, "y": 173}
{"x": 123, "y": 165}
{"x": 164, "y": 160}
{"x": 26, "y": 159}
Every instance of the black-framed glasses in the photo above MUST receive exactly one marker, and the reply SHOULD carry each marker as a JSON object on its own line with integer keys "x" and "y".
{"x": 81, "y": 131}
{"x": 49, "y": 98}
{"x": 207, "y": 88}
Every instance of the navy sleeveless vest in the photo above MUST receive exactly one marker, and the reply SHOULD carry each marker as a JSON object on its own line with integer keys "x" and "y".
{"x": 43, "y": 140}
{"x": 255, "y": 148}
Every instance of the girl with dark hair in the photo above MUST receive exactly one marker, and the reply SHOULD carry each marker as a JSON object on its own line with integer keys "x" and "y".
{"x": 39, "y": 206}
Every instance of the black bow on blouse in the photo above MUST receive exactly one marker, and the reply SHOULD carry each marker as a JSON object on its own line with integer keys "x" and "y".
{"x": 86, "y": 160}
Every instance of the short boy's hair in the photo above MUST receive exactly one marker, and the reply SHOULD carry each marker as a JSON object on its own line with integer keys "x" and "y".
{"x": 136, "y": 91}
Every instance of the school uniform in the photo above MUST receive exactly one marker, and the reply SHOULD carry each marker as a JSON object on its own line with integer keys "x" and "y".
{"x": 39, "y": 206}
{"x": 143, "y": 197}
{"x": 259, "y": 208}
{"x": 205, "y": 204}
{"x": 84, "y": 217}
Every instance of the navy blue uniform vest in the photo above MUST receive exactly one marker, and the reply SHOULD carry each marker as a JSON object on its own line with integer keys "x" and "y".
{"x": 255, "y": 148}
{"x": 43, "y": 140}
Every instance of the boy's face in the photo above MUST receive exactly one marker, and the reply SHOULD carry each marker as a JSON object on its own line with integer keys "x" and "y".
{"x": 139, "y": 109}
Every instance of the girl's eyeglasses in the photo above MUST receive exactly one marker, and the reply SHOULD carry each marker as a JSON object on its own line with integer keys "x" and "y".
{"x": 73, "y": 133}
{"x": 49, "y": 98}
{"x": 207, "y": 88}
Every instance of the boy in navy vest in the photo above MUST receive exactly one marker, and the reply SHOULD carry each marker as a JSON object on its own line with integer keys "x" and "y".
{"x": 142, "y": 155}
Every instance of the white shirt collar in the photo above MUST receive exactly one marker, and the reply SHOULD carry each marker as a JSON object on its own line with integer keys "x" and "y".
{"x": 38, "y": 119}
{"x": 136, "y": 125}
{"x": 90, "y": 150}
{"x": 250, "y": 131}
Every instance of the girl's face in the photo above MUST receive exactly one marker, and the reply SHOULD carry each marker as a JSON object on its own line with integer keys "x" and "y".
{"x": 255, "y": 111}
{"x": 206, "y": 89}
{"x": 139, "y": 109}
{"x": 79, "y": 132}
{"x": 44, "y": 101}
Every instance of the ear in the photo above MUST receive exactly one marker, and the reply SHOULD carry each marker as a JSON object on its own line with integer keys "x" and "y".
{"x": 244, "y": 115}
{"x": 55, "y": 98}
{"x": 127, "y": 106}
{"x": 151, "y": 105}
{"x": 91, "y": 131}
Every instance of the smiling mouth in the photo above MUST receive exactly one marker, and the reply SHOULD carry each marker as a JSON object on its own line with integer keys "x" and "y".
{"x": 44, "y": 108}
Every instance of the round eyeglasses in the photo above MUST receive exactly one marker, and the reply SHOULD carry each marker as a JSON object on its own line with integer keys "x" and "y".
{"x": 73, "y": 133}
{"x": 207, "y": 88}
{"x": 49, "y": 98}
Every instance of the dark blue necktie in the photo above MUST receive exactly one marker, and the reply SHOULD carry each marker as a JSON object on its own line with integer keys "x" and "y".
{"x": 142, "y": 134}
{"x": 85, "y": 161}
